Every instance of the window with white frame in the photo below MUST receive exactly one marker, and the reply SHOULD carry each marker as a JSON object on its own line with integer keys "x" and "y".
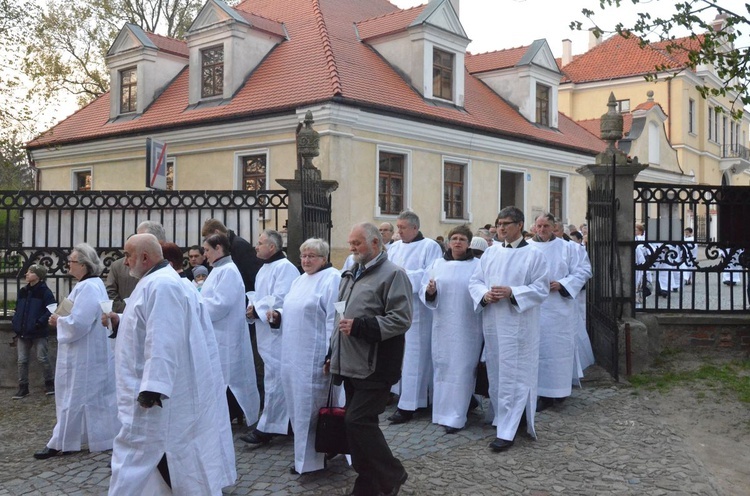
{"x": 212, "y": 72}
{"x": 557, "y": 196}
{"x": 442, "y": 74}
{"x": 171, "y": 166}
{"x": 82, "y": 180}
{"x": 691, "y": 116}
{"x": 623, "y": 106}
{"x": 455, "y": 189}
{"x": 542, "y": 104}
{"x": 254, "y": 170}
{"x": 128, "y": 90}
{"x": 711, "y": 118}
{"x": 391, "y": 182}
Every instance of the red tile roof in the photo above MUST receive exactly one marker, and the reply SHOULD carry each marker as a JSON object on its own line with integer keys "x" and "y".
{"x": 619, "y": 57}
{"x": 389, "y": 23}
{"x": 492, "y": 61}
{"x": 169, "y": 45}
{"x": 321, "y": 60}
{"x": 260, "y": 22}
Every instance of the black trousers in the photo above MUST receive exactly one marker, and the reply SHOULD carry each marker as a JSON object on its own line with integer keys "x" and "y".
{"x": 378, "y": 470}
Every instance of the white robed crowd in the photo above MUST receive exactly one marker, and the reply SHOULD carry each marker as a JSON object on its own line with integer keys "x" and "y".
{"x": 194, "y": 348}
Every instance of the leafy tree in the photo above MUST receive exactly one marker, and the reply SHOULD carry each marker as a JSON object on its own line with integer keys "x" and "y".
{"x": 709, "y": 43}
{"x": 70, "y": 40}
{"x": 15, "y": 172}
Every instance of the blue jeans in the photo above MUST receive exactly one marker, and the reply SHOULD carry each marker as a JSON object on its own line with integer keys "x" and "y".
{"x": 24, "y": 350}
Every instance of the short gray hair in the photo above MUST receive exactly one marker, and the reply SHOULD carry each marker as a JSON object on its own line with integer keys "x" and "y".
{"x": 274, "y": 238}
{"x": 410, "y": 217}
{"x": 371, "y": 233}
{"x": 152, "y": 227}
{"x": 87, "y": 257}
{"x": 317, "y": 245}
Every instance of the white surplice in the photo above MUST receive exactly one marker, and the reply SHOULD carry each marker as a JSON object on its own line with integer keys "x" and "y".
{"x": 456, "y": 339}
{"x": 223, "y": 295}
{"x": 558, "y": 319}
{"x": 84, "y": 377}
{"x": 416, "y": 374}
{"x": 511, "y": 331}
{"x": 307, "y": 323}
{"x": 164, "y": 345}
{"x": 273, "y": 279}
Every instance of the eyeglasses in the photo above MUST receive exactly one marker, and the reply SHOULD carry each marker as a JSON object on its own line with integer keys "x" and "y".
{"x": 306, "y": 257}
{"x": 505, "y": 224}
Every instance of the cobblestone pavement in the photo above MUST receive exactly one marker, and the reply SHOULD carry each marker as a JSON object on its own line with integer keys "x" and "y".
{"x": 602, "y": 440}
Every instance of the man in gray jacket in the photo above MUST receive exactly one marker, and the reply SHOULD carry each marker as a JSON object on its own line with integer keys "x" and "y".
{"x": 366, "y": 355}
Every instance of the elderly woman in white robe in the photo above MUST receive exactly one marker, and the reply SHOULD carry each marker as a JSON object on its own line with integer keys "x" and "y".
{"x": 223, "y": 295}
{"x": 456, "y": 330}
{"x": 84, "y": 374}
{"x": 306, "y": 321}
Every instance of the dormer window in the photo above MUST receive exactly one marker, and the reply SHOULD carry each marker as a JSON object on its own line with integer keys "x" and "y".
{"x": 442, "y": 74}
{"x": 542, "y": 104}
{"x": 212, "y": 72}
{"x": 128, "y": 90}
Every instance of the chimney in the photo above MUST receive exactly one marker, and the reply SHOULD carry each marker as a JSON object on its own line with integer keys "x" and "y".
{"x": 594, "y": 40}
{"x": 567, "y": 53}
{"x": 456, "y": 6}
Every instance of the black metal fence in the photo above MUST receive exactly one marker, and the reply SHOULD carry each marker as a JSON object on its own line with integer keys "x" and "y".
{"x": 704, "y": 269}
{"x": 43, "y": 226}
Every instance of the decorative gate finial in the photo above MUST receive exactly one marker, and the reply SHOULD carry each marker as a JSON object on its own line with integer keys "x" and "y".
{"x": 308, "y": 142}
{"x": 611, "y": 132}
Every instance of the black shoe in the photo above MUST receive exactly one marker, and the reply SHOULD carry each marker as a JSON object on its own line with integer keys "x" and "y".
{"x": 543, "y": 403}
{"x": 47, "y": 453}
{"x": 401, "y": 416}
{"x": 663, "y": 294}
{"x": 49, "y": 388}
{"x": 23, "y": 391}
{"x": 451, "y": 430}
{"x": 395, "y": 489}
{"x": 257, "y": 437}
{"x": 499, "y": 445}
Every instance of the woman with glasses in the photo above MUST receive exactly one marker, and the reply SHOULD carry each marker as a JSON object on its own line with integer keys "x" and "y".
{"x": 456, "y": 330}
{"x": 84, "y": 375}
{"x": 307, "y": 318}
{"x": 224, "y": 297}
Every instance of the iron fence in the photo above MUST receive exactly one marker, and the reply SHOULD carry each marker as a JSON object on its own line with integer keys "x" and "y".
{"x": 43, "y": 226}
{"x": 704, "y": 269}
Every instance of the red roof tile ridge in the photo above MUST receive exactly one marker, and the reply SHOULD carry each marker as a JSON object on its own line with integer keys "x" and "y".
{"x": 330, "y": 59}
{"x": 497, "y": 51}
{"x": 395, "y": 12}
{"x": 168, "y": 44}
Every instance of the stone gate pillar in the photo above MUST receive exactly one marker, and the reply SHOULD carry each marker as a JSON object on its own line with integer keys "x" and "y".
{"x": 307, "y": 185}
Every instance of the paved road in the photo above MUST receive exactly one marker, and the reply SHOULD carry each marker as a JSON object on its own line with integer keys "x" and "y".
{"x": 603, "y": 440}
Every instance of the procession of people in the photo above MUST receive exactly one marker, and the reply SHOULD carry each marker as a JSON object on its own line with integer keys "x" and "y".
{"x": 162, "y": 379}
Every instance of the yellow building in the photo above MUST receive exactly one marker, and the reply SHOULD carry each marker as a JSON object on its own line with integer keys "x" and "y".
{"x": 710, "y": 145}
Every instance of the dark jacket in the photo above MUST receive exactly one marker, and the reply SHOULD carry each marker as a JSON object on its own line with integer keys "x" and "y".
{"x": 31, "y": 318}
{"x": 380, "y": 302}
{"x": 244, "y": 257}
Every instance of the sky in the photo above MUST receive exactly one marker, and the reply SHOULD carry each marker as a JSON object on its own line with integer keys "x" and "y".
{"x": 500, "y": 24}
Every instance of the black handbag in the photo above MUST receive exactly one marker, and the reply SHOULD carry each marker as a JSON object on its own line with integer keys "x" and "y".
{"x": 330, "y": 432}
